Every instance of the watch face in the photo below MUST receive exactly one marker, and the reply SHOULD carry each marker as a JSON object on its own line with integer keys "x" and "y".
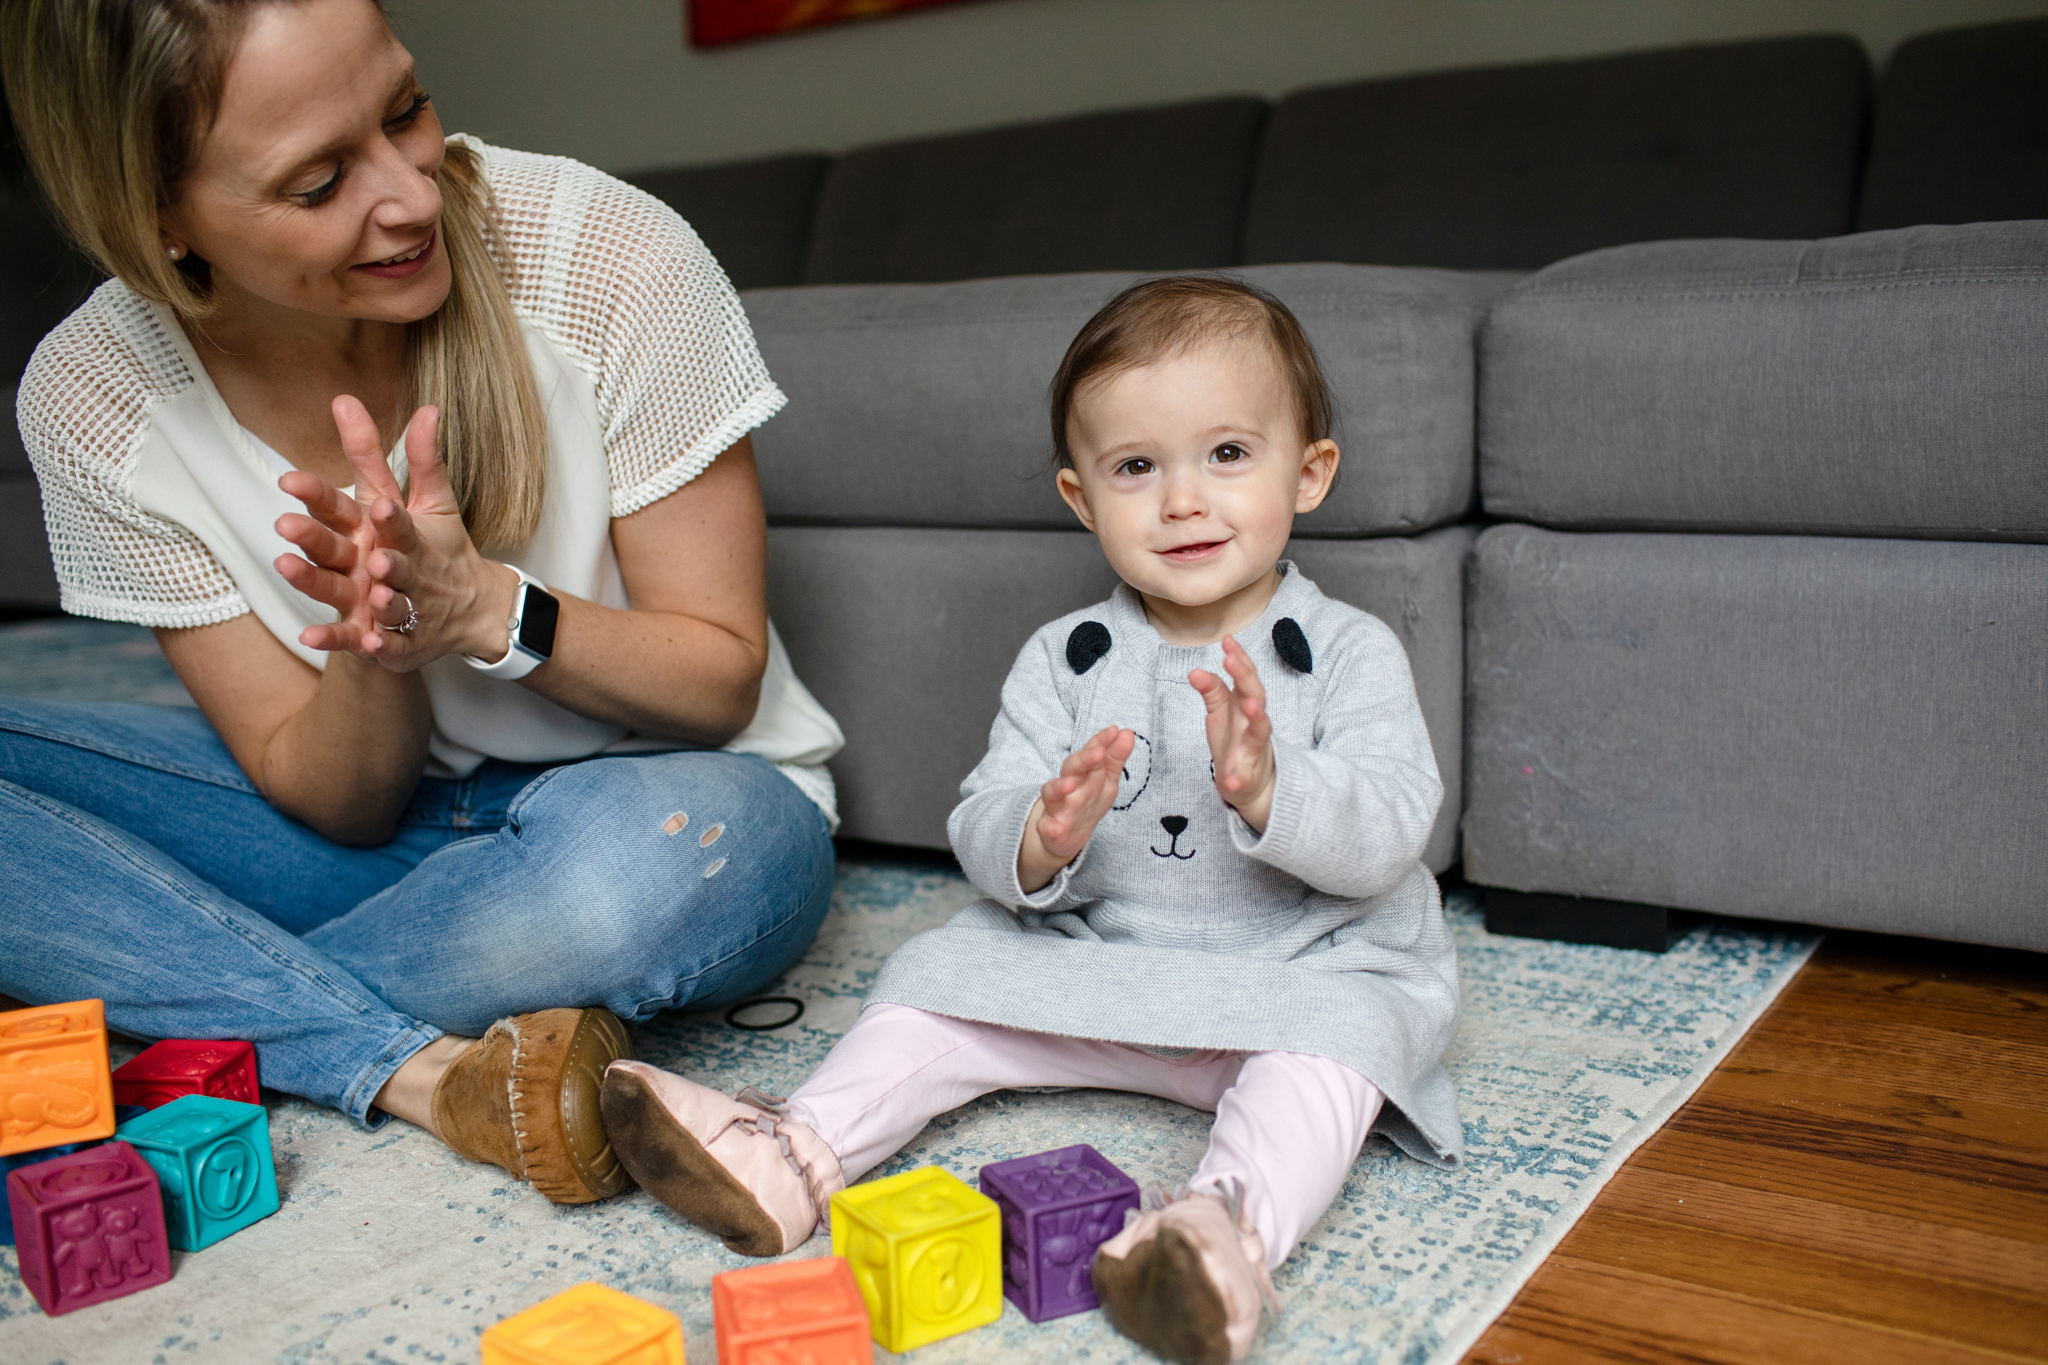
{"x": 537, "y": 619}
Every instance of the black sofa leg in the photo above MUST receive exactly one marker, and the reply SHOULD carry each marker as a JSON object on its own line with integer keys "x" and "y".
{"x": 1585, "y": 919}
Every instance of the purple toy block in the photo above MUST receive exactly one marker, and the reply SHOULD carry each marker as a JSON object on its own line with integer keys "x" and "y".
{"x": 1058, "y": 1206}
{"x": 90, "y": 1227}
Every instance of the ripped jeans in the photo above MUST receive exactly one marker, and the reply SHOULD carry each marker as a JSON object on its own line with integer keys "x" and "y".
{"x": 138, "y": 865}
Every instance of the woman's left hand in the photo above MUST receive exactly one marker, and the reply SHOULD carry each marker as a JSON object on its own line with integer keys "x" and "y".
{"x": 405, "y": 551}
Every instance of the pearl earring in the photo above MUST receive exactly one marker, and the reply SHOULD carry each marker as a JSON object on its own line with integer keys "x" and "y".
{"x": 175, "y": 251}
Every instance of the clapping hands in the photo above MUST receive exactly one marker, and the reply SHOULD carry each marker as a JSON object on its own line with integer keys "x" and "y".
{"x": 385, "y": 554}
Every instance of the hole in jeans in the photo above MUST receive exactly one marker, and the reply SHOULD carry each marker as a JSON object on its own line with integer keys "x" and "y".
{"x": 711, "y": 836}
{"x": 712, "y": 871}
{"x": 675, "y": 823}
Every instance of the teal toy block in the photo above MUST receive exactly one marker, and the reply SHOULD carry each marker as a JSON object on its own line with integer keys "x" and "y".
{"x": 212, "y": 1157}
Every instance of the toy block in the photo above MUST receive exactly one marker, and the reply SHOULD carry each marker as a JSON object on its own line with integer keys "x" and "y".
{"x": 122, "y": 1113}
{"x": 926, "y": 1252}
{"x": 91, "y": 1227}
{"x": 791, "y": 1313}
{"x": 178, "y": 1066}
{"x": 55, "y": 1087}
{"x": 1058, "y": 1206}
{"x": 212, "y": 1158}
{"x": 589, "y": 1324}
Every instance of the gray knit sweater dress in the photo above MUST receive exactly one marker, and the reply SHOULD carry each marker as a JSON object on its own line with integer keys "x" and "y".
{"x": 1178, "y": 926}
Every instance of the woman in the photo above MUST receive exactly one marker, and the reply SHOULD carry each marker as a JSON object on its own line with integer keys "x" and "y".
{"x": 499, "y": 746}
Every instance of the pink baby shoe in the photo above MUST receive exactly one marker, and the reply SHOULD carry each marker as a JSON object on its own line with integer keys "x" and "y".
{"x": 733, "y": 1166}
{"x": 1187, "y": 1278}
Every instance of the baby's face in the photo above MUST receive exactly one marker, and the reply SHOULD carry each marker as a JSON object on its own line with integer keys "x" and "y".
{"x": 1191, "y": 470}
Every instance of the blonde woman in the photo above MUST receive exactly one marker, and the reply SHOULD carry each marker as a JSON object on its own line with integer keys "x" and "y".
{"x": 429, "y": 464}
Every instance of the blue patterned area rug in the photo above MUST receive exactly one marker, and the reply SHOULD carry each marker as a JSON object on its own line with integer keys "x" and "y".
{"x": 389, "y": 1248}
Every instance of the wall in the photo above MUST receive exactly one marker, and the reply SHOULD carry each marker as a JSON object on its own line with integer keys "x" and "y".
{"x": 612, "y": 82}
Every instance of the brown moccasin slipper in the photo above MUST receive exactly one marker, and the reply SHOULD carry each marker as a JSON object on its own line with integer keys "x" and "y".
{"x": 1161, "y": 1297}
{"x": 525, "y": 1097}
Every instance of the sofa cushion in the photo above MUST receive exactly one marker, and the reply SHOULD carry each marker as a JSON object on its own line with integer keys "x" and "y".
{"x": 45, "y": 279}
{"x": 1961, "y": 130}
{"x": 1884, "y": 384}
{"x": 925, "y": 405}
{"x": 754, "y": 215}
{"x": 1518, "y": 166}
{"x": 1144, "y": 189}
{"x": 1840, "y": 732}
{"x": 906, "y": 636}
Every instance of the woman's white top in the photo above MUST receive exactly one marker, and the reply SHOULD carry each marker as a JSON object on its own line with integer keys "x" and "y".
{"x": 161, "y": 508}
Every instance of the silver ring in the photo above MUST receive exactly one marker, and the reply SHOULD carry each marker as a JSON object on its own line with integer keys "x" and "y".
{"x": 412, "y": 617}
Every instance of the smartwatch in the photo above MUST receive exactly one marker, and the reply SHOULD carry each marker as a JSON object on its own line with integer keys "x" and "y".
{"x": 532, "y": 631}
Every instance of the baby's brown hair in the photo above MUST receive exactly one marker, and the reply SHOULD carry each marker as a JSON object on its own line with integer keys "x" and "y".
{"x": 1163, "y": 317}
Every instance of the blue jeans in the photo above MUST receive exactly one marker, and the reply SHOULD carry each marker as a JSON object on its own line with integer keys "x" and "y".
{"x": 138, "y": 865}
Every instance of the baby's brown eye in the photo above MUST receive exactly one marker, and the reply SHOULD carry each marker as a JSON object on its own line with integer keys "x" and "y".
{"x": 1228, "y": 453}
{"x": 1134, "y": 468}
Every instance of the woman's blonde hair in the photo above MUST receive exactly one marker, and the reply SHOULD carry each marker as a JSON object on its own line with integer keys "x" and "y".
{"x": 111, "y": 99}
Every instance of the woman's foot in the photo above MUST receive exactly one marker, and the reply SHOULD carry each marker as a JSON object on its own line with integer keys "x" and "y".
{"x": 734, "y": 1167}
{"x": 1186, "y": 1280}
{"x": 525, "y": 1097}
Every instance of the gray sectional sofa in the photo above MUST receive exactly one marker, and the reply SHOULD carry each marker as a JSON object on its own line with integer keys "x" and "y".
{"x": 1722, "y": 564}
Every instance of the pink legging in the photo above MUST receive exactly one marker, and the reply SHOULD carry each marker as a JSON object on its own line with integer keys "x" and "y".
{"x": 1288, "y": 1125}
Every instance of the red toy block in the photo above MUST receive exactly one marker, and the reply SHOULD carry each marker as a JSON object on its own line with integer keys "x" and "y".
{"x": 178, "y": 1067}
{"x": 793, "y": 1311}
{"x": 54, "y": 1086}
{"x": 90, "y": 1227}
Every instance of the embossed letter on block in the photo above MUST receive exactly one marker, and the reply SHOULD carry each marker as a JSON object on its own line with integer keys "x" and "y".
{"x": 1058, "y": 1206}
{"x": 54, "y": 1083}
{"x": 793, "y": 1311}
{"x": 213, "y": 1159}
{"x": 177, "y": 1067}
{"x": 587, "y": 1324}
{"x": 925, "y": 1251}
{"x": 91, "y": 1227}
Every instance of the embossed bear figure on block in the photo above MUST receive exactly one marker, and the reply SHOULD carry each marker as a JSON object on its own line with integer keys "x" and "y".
{"x": 213, "y": 1160}
{"x": 926, "y": 1252}
{"x": 54, "y": 1084}
{"x": 1058, "y": 1206}
{"x": 91, "y": 1227}
{"x": 177, "y": 1067}
{"x": 791, "y": 1313}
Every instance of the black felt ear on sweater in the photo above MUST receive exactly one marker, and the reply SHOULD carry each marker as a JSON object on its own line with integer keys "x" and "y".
{"x": 1288, "y": 642}
{"x": 1089, "y": 642}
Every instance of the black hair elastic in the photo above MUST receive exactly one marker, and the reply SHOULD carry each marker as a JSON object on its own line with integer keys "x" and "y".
{"x": 797, "y": 1012}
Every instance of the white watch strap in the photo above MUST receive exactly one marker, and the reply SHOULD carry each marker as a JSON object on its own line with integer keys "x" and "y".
{"x": 517, "y": 662}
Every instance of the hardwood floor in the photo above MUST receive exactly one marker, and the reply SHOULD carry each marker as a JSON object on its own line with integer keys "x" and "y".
{"x": 1865, "y": 1178}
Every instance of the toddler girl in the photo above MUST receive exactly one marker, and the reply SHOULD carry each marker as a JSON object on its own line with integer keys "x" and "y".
{"x": 1201, "y": 889}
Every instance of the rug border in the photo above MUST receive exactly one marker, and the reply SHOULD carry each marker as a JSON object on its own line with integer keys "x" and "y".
{"x": 1456, "y": 1345}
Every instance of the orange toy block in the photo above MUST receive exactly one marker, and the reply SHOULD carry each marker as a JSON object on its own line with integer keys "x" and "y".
{"x": 791, "y": 1313}
{"x": 589, "y": 1324}
{"x": 55, "y": 1086}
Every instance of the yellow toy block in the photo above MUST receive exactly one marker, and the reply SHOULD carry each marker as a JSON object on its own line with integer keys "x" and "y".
{"x": 55, "y": 1084}
{"x": 590, "y": 1324}
{"x": 926, "y": 1252}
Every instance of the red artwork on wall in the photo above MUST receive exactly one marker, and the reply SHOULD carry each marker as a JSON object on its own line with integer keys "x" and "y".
{"x": 713, "y": 22}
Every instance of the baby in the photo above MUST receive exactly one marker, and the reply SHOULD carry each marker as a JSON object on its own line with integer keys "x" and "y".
{"x": 1203, "y": 889}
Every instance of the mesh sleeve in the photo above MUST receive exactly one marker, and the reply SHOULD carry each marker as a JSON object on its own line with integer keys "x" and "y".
{"x": 621, "y": 282}
{"x": 83, "y": 409}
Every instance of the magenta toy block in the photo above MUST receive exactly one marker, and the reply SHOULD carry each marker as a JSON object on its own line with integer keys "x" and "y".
{"x": 177, "y": 1067}
{"x": 1058, "y": 1206}
{"x": 90, "y": 1226}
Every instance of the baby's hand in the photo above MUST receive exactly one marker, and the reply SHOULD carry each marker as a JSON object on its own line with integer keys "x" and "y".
{"x": 1069, "y": 807}
{"x": 1240, "y": 735}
